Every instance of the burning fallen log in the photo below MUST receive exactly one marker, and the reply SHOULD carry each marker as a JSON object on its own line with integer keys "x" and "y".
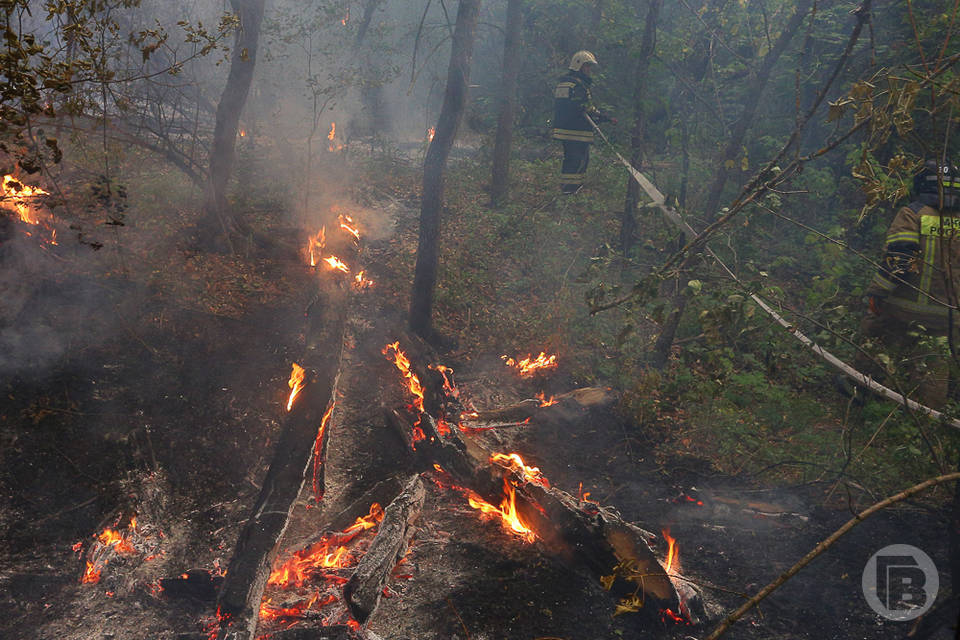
{"x": 581, "y": 533}
{"x": 304, "y": 438}
{"x": 576, "y": 400}
{"x": 365, "y": 587}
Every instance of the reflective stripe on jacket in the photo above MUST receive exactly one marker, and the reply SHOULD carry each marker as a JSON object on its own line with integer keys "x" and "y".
{"x": 921, "y": 260}
{"x": 571, "y": 101}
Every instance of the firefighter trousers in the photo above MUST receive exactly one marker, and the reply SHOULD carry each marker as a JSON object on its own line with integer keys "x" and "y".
{"x": 576, "y": 157}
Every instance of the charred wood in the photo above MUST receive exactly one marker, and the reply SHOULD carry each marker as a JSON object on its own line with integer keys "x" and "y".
{"x": 365, "y": 587}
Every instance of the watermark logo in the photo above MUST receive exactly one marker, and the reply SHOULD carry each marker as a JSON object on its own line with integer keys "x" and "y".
{"x": 900, "y": 582}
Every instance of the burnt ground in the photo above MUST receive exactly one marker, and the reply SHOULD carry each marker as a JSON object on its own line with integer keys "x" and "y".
{"x": 170, "y": 413}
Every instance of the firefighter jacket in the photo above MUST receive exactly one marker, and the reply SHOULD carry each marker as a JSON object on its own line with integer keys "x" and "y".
{"x": 920, "y": 271}
{"x": 572, "y": 100}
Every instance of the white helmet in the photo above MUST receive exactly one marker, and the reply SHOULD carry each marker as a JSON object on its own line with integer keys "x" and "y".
{"x": 581, "y": 58}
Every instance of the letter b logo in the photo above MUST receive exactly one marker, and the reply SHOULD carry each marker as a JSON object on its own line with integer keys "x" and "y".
{"x": 900, "y": 582}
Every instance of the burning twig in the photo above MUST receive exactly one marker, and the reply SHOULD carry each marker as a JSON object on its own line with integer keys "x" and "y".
{"x": 528, "y": 366}
{"x": 296, "y": 384}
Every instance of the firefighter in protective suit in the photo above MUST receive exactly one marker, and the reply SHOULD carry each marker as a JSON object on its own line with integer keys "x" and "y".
{"x": 911, "y": 296}
{"x": 572, "y": 102}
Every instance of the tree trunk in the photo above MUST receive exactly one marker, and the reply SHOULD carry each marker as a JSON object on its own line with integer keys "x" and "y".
{"x": 454, "y": 100}
{"x": 217, "y": 218}
{"x": 508, "y": 105}
{"x": 628, "y": 221}
{"x": 732, "y": 149}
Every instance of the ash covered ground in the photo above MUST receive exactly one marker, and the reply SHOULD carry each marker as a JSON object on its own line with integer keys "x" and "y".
{"x": 170, "y": 414}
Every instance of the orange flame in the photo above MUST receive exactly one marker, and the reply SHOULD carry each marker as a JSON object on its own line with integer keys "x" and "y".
{"x": 448, "y": 386}
{"x": 345, "y": 224}
{"x": 106, "y": 542}
{"x": 329, "y": 552}
{"x": 346, "y": 18}
{"x": 507, "y": 512}
{"x": 19, "y": 192}
{"x": 544, "y": 402}
{"x": 430, "y": 133}
{"x": 318, "y": 451}
{"x": 295, "y": 383}
{"x": 514, "y": 462}
{"x": 333, "y": 146}
{"x": 672, "y": 551}
{"x": 333, "y": 131}
{"x": 403, "y": 364}
{"x": 360, "y": 282}
{"x": 270, "y": 612}
{"x": 243, "y": 133}
{"x": 530, "y": 365}
{"x": 336, "y": 263}
{"x": 316, "y": 244}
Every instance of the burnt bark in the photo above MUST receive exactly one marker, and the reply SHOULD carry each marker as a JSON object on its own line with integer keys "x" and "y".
{"x": 362, "y": 592}
{"x": 500, "y": 175}
{"x": 628, "y": 220}
{"x": 217, "y": 218}
{"x": 434, "y": 166}
{"x": 302, "y": 436}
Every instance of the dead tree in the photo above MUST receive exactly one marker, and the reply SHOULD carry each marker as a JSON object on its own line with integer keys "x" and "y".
{"x": 454, "y": 100}
{"x": 217, "y": 219}
{"x": 500, "y": 175}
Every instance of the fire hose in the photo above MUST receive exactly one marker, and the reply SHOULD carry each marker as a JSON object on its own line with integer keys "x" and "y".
{"x": 858, "y": 377}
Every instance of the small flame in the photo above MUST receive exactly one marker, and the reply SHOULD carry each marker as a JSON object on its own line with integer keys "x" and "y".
{"x": 333, "y": 131}
{"x": 671, "y": 550}
{"x": 448, "y": 386}
{"x": 544, "y": 402}
{"x": 430, "y": 133}
{"x": 346, "y": 18}
{"x": 316, "y": 244}
{"x": 360, "y": 282}
{"x": 243, "y": 133}
{"x": 514, "y": 462}
{"x": 400, "y": 360}
{"x": 295, "y": 383}
{"x": 108, "y": 542}
{"x": 333, "y": 145}
{"x": 336, "y": 263}
{"x": 507, "y": 511}
{"x": 530, "y": 365}
{"x": 20, "y": 194}
{"x": 346, "y": 223}
{"x": 318, "y": 451}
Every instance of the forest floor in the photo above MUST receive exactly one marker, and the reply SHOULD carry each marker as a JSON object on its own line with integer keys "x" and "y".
{"x": 150, "y": 377}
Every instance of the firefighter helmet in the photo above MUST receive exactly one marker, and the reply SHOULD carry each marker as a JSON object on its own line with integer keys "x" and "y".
{"x": 928, "y": 181}
{"x": 581, "y": 58}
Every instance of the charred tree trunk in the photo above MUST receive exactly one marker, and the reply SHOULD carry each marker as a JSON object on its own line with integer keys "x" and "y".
{"x": 362, "y": 592}
{"x": 304, "y": 438}
{"x": 731, "y": 151}
{"x": 454, "y": 100}
{"x": 374, "y": 119}
{"x": 217, "y": 218}
{"x": 628, "y": 222}
{"x": 508, "y": 105}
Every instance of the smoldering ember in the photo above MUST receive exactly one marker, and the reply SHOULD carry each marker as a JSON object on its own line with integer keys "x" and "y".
{"x": 533, "y": 320}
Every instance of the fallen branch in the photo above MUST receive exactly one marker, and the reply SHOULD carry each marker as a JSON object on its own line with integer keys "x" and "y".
{"x": 365, "y": 587}
{"x": 823, "y": 546}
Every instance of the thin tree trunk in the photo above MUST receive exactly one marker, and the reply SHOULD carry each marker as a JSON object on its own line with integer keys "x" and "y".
{"x": 508, "y": 105}
{"x": 454, "y": 100}
{"x": 217, "y": 217}
{"x": 731, "y": 151}
{"x": 628, "y": 221}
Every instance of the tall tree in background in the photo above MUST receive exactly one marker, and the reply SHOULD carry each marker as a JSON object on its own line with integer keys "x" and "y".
{"x": 216, "y": 215}
{"x": 434, "y": 165}
{"x": 759, "y": 78}
{"x": 628, "y": 222}
{"x": 508, "y": 105}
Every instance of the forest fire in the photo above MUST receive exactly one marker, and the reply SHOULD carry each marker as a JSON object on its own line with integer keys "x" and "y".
{"x": 528, "y": 366}
{"x": 507, "y": 511}
{"x": 671, "y": 550}
{"x": 337, "y": 264}
{"x": 514, "y": 462}
{"x": 348, "y": 225}
{"x": 544, "y": 402}
{"x": 14, "y": 192}
{"x": 333, "y": 145}
{"x": 361, "y": 282}
{"x": 399, "y": 359}
{"x": 295, "y": 383}
{"x": 330, "y": 552}
{"x": 107, "y": 543}
{"x": 430, "y": 133}
{"x": 315, "y": 245}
